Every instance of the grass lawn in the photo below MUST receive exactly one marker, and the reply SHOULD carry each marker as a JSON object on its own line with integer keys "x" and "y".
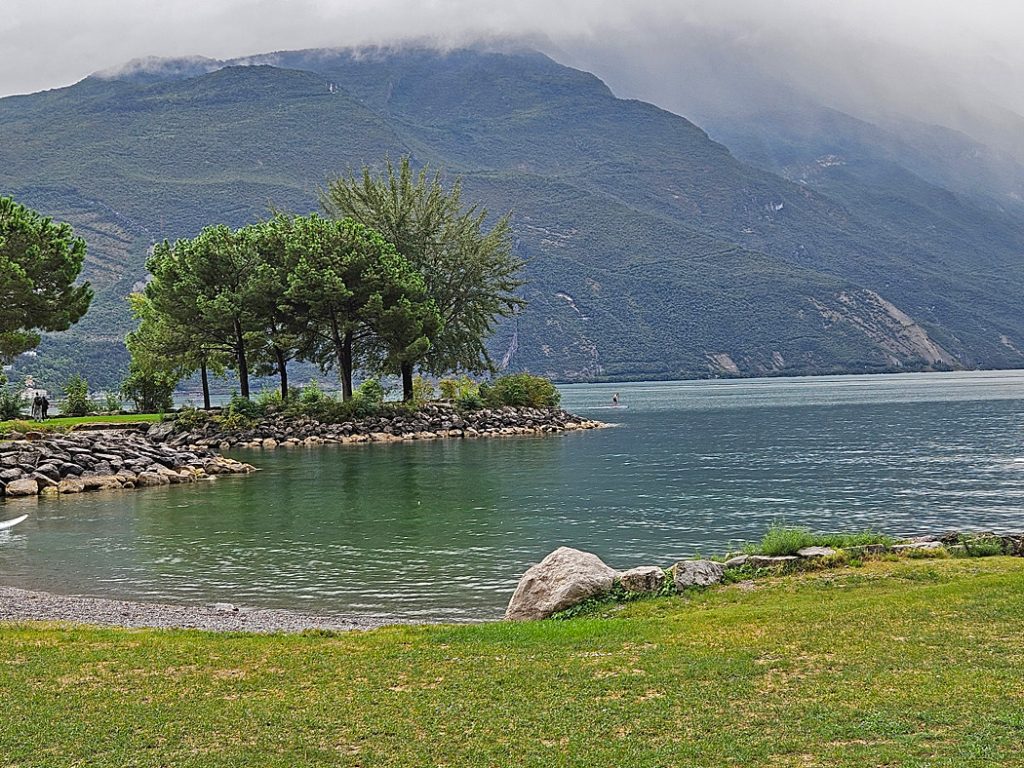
{"x": 908, "y": 663}
{"x": 64, "y": 422}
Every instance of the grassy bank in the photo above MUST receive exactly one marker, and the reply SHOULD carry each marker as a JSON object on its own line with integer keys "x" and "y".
{"x": 906, "y": 663}
{"x": 66, "y": 422}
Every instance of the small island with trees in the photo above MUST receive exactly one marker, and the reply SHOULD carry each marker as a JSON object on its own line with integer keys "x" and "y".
{"x": 396, "y": 280}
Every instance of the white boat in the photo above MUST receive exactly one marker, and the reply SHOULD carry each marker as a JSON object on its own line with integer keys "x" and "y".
{"x": 11, "y": 523}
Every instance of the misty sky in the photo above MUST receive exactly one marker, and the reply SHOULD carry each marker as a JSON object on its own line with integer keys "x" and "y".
{"x": 931, "y": 56}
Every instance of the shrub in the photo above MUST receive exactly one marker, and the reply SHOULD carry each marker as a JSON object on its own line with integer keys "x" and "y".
{"x": 151, "y": 391}
{"x": 244, "y": 407}
{"x": 112, "y": 402}
{"x": 372, "y": 391}
{"x": 11, "y": 404}
{"x": 422, "y": 390}
{"x": 235, "y": 420}
{"x": 781, "y": 540}
{"x": 470, "y": 402}
{"x": 464, "y": 392}
{"x": 981, "y": 546}
{"x": 76, "y": 397}
{"x": 269, "y": 401}
{"x": 337, "y": 411}
{"x": 521, "y": 390}
{"x": 312, "y": 394}
{"x": 191, "y": 419}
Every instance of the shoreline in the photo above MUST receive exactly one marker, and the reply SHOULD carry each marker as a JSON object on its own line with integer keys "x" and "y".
{"x": 39, "y": 464}
{"x": 24, "y": 605}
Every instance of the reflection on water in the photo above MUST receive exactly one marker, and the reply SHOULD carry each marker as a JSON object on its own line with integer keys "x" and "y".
{"x": 444, "y": 529}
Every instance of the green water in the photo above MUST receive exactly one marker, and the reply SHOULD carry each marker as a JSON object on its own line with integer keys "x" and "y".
{"x": 443, "y": 529}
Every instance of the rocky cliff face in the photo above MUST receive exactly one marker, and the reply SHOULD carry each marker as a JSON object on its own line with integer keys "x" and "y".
{"x": 887, "y": 327}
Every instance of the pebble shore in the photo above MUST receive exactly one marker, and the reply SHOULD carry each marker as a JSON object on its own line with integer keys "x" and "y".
{"x": 20, "y": 605}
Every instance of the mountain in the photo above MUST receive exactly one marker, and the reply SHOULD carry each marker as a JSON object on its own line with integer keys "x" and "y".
{"x": 652, "y": 251}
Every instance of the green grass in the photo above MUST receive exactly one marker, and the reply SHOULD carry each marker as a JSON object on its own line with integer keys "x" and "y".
{"x": 907, "y": 663}
{"x": 780, "y": 540}
{"x": 60, "y": 423}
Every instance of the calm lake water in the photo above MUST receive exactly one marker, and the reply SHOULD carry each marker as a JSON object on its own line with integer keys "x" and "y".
{"x": 442, "y": 530}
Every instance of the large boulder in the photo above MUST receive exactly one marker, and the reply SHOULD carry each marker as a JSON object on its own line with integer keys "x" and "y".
{"x": 71, "y": 484}
{"x": 644, "y": 580}
{"x": 149, "y": 479}
{"x": 26, "y": 486}
{"x": 559, "y": 581}
{"x": 95, "y": 482}
{"x": 697, "y": 573}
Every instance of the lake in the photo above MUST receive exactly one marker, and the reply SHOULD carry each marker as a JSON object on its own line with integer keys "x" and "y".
{"x": 443, "y": 529}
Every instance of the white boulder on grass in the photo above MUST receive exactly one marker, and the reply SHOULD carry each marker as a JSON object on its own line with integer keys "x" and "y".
{"x": 645, "y": 580}
{"x": 561, "y": 580}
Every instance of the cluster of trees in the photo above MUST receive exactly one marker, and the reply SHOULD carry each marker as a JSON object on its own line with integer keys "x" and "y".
{"x": 398, "y": 276}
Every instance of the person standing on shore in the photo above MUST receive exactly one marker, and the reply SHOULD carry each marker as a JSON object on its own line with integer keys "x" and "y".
{"x": 37, "y": 407}
{"x": 44, "y": 407}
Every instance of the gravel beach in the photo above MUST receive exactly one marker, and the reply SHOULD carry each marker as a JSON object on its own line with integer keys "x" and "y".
{"x": 17, "y": 605}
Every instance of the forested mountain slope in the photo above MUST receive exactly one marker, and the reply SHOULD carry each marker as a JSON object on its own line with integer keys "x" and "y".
{"x": 652, "y": 251}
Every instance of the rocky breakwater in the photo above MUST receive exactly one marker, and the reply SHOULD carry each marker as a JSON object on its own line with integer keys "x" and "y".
{"x": 432, "y": 422}
{"x": 98, "y": 460}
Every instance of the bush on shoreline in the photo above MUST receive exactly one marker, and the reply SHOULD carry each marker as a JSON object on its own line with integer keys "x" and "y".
{"x": 520, "y": 390}
{"x": 781, "y": 540}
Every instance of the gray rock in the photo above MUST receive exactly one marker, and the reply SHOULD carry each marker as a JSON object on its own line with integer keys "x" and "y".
{"x": 736, "y": 562}
{"x": 697, "y": 573}
{"x": 96, "y": 482}
{"x": 44, "y": 481}
{"x": 561, "y": 580}
{"x": 149, "y": 479}
{"x": 810, "y": 552}
{"x": 71, "y": 484}
{"x": 160, "y": 432}
{"x": 917, "y": 545}
{"x": 25, "y": 487}
{"x": 50, "y": 471}
{"x": 645, "y": 580}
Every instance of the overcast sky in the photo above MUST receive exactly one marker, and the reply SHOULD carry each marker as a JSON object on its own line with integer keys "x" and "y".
{"x": 913, "y": 51}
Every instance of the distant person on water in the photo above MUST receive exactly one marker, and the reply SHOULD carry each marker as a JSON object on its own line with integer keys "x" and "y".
{"x": 615, "y": 399}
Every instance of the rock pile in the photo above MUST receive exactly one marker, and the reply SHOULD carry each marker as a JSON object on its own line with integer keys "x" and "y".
{"x": 85, "y": 461}
{"x": 568, "y": 577}
{"x": 432, "y": 422}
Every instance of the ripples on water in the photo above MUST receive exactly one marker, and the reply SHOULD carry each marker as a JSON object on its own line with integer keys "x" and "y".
{"x": 442, "y": 530}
